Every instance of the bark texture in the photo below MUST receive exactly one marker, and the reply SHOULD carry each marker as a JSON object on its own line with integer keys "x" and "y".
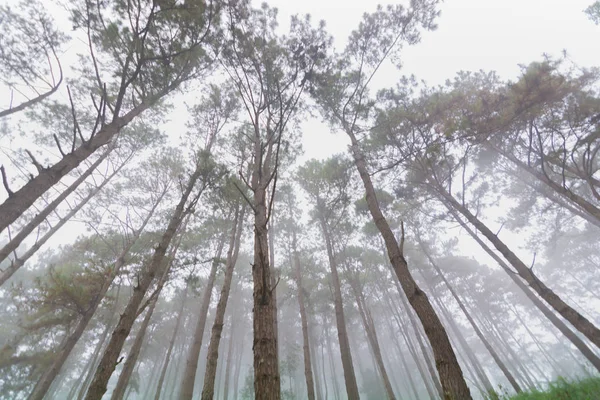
{"x": 308, "y": 374}
{"x": 163, "y": 372}
{"x": 340, "y": 319}
{"x": 191, "y": 364}
{"x": 580, "y": 323}
{"x": 557, "y": 322}
{"x": 155, "y": 267}
{"x": 217, "y": 329}
{"x": 451, "y": 376}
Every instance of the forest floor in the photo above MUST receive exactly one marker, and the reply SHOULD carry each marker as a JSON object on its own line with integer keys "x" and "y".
{"x": 586, "y": 389}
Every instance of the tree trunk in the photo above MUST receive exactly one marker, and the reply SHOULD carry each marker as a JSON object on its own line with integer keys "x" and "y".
{"x": 18, "y": 202}
{"x": 308, "y": 373}
{"x": 588, "y": 207}
{"x": 20, "y": 261}
{"x": 557, "y": 322}
{"x": 369, "y": 326}
{"x": 191, "y": 366}
{"x": 478, "y": 332}
{"x": 153, "y": 268}
{"x": 400, "y": 355}
{"x": 238, "y": 367}
{"x": 336, "y": 386}
{"x": 340, "y": 319}
{"x": 581, "y": 323}
{"x": 50, "y": 373}
{"x": 171, "y": 345}
{"x": 217, "y": 329}
{"x": 229, "y": 360}
{"x": 134, "y": 353}
{"x": 451, "y": 377}
{"x": 411, "y": 347}
{"x": 266, "y": 368}
{"x": 43, "y": 214}
{"x": 471, "y": 356}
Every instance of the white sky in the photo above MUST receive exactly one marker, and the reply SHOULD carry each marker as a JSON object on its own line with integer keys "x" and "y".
{"x": 472, "y": 35}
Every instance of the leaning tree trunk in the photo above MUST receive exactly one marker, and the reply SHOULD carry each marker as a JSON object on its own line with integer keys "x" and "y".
{"x": 557, "y": 322}
{"x": 41, "y": 216}
{"x": 451, "y": 376}
{"x": 134, "y": 353}
{"x": 20, "y": 261}
{"x": 580, "y": 323}
{"x": 340, "y": 319}
{"x": 155, "y": 267}
{"x": 229, "y": 360}
{"x": 308, "y": 374}
{"x": 163, "y": 372}
{"x": 191, "y": 364}
{"x": 18, "y": 202}
{"x": 217, "y": 329}
{"x": 543, "y": 177}
{"x": 369, "y": 326}
{"x": 50, "y": 373}
{"x": 511, "y": 379}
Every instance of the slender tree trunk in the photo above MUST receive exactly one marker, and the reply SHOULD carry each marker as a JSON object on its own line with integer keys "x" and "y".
{"x": 134, "y": 353}
{"x": 426, "y": 378}
{"x": 336, "y": 386}
{"x": 19, "y": 201}
{"x": 477, "y": 368}
{"x": 581, "y": 323}
{"x": 20, "y": 261}
{"x": 323, "y": 369}
{"x": 51, "y": 372}
{"x": 217, "y": 329}
{"x": 229, "y": 360}
{"x": 340, "y": 319}
{"x": 43, "y": 214}
{"x": 557, "y": 322}
{"x": 171, "y": 345}
{"x": 451, "y": 377}
{"x": 308, "y": 373}
{"x": 238, "y": 367}
{"x": 89, "y": 373}
{"x": 153, "y": 268}
{"x": 191, "y": 366}
{"x": 400, "y": 355}
{"x": 153, "y": 374}
{"x": 369, "y": 327}
{"x": 588, "y": 207}
{"x": 478, "y": 332}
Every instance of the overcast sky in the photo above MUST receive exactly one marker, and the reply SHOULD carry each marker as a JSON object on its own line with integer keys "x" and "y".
{"x": 472, "y": 35}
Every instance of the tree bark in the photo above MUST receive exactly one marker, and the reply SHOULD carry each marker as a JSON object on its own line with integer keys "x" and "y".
{"x": 149, "y": 272}
{"x": 581, "y": 323}
{"x": 229, "y": 360}
{"x": 18, "y": 202}
{"x": 308, "y": 373}
{"x": 134, "y": 353}
{"x": 340, "y": 319}
{"x": 50, "y": 373}
{"x": 217, "y": 329}
{"x": 557, "y": 322}
{"x": 478, "y": 332}
{"x": 191, "y": 365}
{"x": 43, "y": 214}
{"x": 171, "y": 345}
{"x": 451, "y": 377}
{"x": 266, "y": 369}
{"x": 369, "y": 326}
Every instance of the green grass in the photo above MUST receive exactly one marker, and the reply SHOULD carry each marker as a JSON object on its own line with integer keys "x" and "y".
{"x": 586, "y": 389}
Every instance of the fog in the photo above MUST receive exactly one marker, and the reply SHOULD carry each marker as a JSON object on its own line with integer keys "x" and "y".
{"x": 234, "y": 200}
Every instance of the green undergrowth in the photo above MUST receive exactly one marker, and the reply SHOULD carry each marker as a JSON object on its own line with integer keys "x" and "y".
{"x": 561, "y": 389}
